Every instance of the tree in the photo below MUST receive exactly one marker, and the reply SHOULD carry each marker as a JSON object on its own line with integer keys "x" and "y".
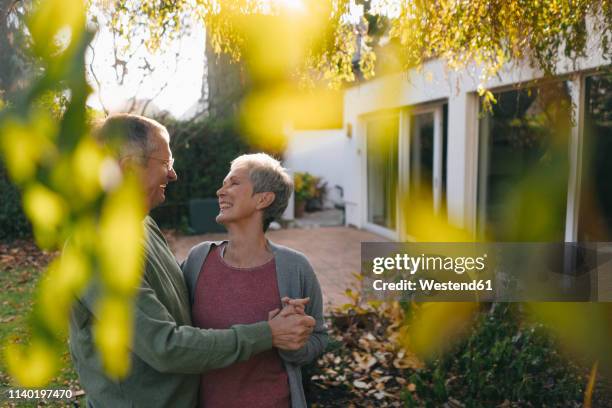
{"x": 287, "y": 46}
{"x": 18, "y": 65}
{"x": 127, "y": 65}
{"x": 488, "y": 32}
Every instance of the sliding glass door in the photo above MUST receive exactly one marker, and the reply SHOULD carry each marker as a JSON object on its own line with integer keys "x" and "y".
{"x": 595, "y": 215}
{"x": 523, "y": 164}
{"x": 406, "y": 157}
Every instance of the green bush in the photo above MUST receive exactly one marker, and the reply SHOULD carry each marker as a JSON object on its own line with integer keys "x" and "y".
{"x": 504, "y": 359}
{"x": 13, "y": 222}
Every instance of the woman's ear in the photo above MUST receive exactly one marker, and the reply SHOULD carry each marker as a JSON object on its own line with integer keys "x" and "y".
{"x": 265, "y": 199}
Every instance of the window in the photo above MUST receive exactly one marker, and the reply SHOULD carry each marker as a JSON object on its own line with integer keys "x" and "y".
{"x": 595, "y": 218}
{"x": 523, "y": 164}
{"x": 382, "y": 170}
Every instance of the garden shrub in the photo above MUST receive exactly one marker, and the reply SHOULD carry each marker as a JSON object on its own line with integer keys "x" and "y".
{"x": 503, "y": 359}
{"x": 13, "y": 222}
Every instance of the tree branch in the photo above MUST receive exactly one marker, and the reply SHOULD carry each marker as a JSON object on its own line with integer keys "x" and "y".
{"x": 95, "y": 77}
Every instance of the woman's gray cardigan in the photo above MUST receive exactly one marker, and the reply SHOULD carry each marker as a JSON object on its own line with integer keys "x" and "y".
{"x": 296, "y": 279}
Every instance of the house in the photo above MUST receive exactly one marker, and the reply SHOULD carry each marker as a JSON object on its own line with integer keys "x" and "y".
{"x": 423, "y": 133}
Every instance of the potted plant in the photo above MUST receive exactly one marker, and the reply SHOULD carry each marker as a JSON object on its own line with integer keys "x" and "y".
{"x": 306, "y": 188}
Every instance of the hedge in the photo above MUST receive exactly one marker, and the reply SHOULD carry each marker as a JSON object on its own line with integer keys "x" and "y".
{"x": 13, "y": 223}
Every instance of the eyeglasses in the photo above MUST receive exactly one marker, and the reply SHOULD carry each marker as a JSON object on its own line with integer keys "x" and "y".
{"x": 168, "y": 162}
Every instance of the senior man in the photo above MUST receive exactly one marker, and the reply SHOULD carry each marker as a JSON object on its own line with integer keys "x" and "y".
{"x": 168, "y": 353}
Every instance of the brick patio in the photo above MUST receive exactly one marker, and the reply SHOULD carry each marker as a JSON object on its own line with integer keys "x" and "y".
{"x": 334, "y": 253}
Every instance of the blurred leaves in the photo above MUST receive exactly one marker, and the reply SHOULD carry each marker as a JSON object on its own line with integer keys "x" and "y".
{"x": 491, "y": 33}
{"x": 32, "y": 366}
{"x": 588, "y": 393}
{"x": 267, "y": 112}
{"x": 25, "y": 142}
{"x": 121, "y": 237}
{"x": 434, "y": 326}
{"x": 73, "y": 198}
{"x": 54, "y": 23}
{"x": 65, "y": 277}
{"x": 113, "y": 335}
{"x": 47, "y": 211}
{"x": 585, "y": 329}
{"x": 422, "y": 224}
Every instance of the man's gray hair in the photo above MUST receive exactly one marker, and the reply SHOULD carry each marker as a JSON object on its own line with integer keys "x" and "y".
{"x": 267, "y": 175}
{"x": 131, "y": 134}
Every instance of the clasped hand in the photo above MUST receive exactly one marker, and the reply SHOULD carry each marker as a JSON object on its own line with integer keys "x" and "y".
{"x": 290, "y": 326}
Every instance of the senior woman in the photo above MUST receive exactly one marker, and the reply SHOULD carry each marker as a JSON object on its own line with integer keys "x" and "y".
{"x": 239, "y": 281}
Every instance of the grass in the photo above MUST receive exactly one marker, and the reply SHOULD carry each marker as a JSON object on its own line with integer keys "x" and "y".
{"x": 16, "y": 299}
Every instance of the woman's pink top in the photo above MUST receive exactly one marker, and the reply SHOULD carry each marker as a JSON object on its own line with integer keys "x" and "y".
{"x": 226, "y": 296}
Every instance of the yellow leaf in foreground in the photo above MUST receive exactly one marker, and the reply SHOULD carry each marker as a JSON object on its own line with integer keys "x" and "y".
{"x": 113, "y": 335}
{"x": 53, "y": 18}
{"x": 434, "y": 326}
{"x": 47, "y": 211}
{"x": 87, "y": 165}
{"x": 122, "y": 237}
{"x": 584, "y": 329}
{"x": 24, "y": 144}
{"x": 45, "y": 208}
{"x": 33, "y": 365}
{"x": 65, "y": 278}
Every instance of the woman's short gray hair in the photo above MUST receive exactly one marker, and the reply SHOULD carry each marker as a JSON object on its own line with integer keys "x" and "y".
{"x": 267, "y": 175}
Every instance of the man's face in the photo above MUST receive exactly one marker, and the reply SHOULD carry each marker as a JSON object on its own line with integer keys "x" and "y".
{"x": 158, "y": 172}
{"x": 236, "y": 198}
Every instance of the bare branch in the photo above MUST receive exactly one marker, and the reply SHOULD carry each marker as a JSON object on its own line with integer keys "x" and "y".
{"x": 10, "y": 7}
{"x": 92, "y": 47}
{"x": 165, "y": 85}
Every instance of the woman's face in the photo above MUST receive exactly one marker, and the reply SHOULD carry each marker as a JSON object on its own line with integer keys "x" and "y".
{"x": 236, "y": 199}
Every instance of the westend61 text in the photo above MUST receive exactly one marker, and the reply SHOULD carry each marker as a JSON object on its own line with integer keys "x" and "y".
{"x": 432, "y": 285}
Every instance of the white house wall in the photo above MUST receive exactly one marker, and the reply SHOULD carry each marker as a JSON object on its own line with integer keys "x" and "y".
{"x": 321, "y": 153}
